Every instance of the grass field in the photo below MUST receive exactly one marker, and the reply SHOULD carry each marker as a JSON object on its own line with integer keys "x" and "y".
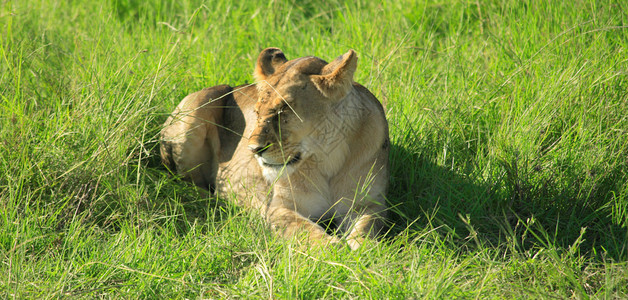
{"x": 509, "y": 129}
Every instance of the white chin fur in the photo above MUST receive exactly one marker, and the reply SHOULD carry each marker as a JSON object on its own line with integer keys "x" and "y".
{"x": 273, "y": 171}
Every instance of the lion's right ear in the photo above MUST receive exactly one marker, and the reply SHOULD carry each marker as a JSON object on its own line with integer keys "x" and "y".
{"x": 337, "y": 77}
{"x": 267, "y": 63}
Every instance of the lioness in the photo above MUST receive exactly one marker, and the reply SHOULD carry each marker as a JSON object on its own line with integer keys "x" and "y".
{"x": 303, "y": 145}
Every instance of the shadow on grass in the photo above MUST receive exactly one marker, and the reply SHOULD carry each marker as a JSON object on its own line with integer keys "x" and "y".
{"x": 191, "y": 204}
{"x": 426, "y": 195}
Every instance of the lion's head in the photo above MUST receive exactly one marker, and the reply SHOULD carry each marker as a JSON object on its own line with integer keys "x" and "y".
{"x": 294, "y": 98}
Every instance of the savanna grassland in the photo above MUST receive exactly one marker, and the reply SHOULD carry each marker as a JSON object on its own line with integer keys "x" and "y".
{"x": 509, "y": 161}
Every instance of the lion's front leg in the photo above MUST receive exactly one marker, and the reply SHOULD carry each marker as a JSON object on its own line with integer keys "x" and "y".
{"x": 290, "y": 223}
{"x": 361, "y": 226}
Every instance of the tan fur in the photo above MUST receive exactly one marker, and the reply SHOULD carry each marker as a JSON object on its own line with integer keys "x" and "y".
{"x": 304, "y": 144}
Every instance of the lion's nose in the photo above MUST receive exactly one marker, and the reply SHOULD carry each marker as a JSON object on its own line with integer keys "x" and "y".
{"x": 258, "y": 149}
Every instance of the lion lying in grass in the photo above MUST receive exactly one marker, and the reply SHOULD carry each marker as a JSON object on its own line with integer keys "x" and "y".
{"x": 304, "y": 145}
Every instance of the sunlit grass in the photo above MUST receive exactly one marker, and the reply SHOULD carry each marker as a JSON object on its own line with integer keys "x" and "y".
{"x": 509, "y": 149}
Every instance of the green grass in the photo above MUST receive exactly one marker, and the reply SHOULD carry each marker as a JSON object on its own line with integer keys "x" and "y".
{"x": 509, "y": 149}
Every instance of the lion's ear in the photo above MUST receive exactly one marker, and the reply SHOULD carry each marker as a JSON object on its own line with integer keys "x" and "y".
{"x": 336, "y": 78}
{"x": 267, "y": 63}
